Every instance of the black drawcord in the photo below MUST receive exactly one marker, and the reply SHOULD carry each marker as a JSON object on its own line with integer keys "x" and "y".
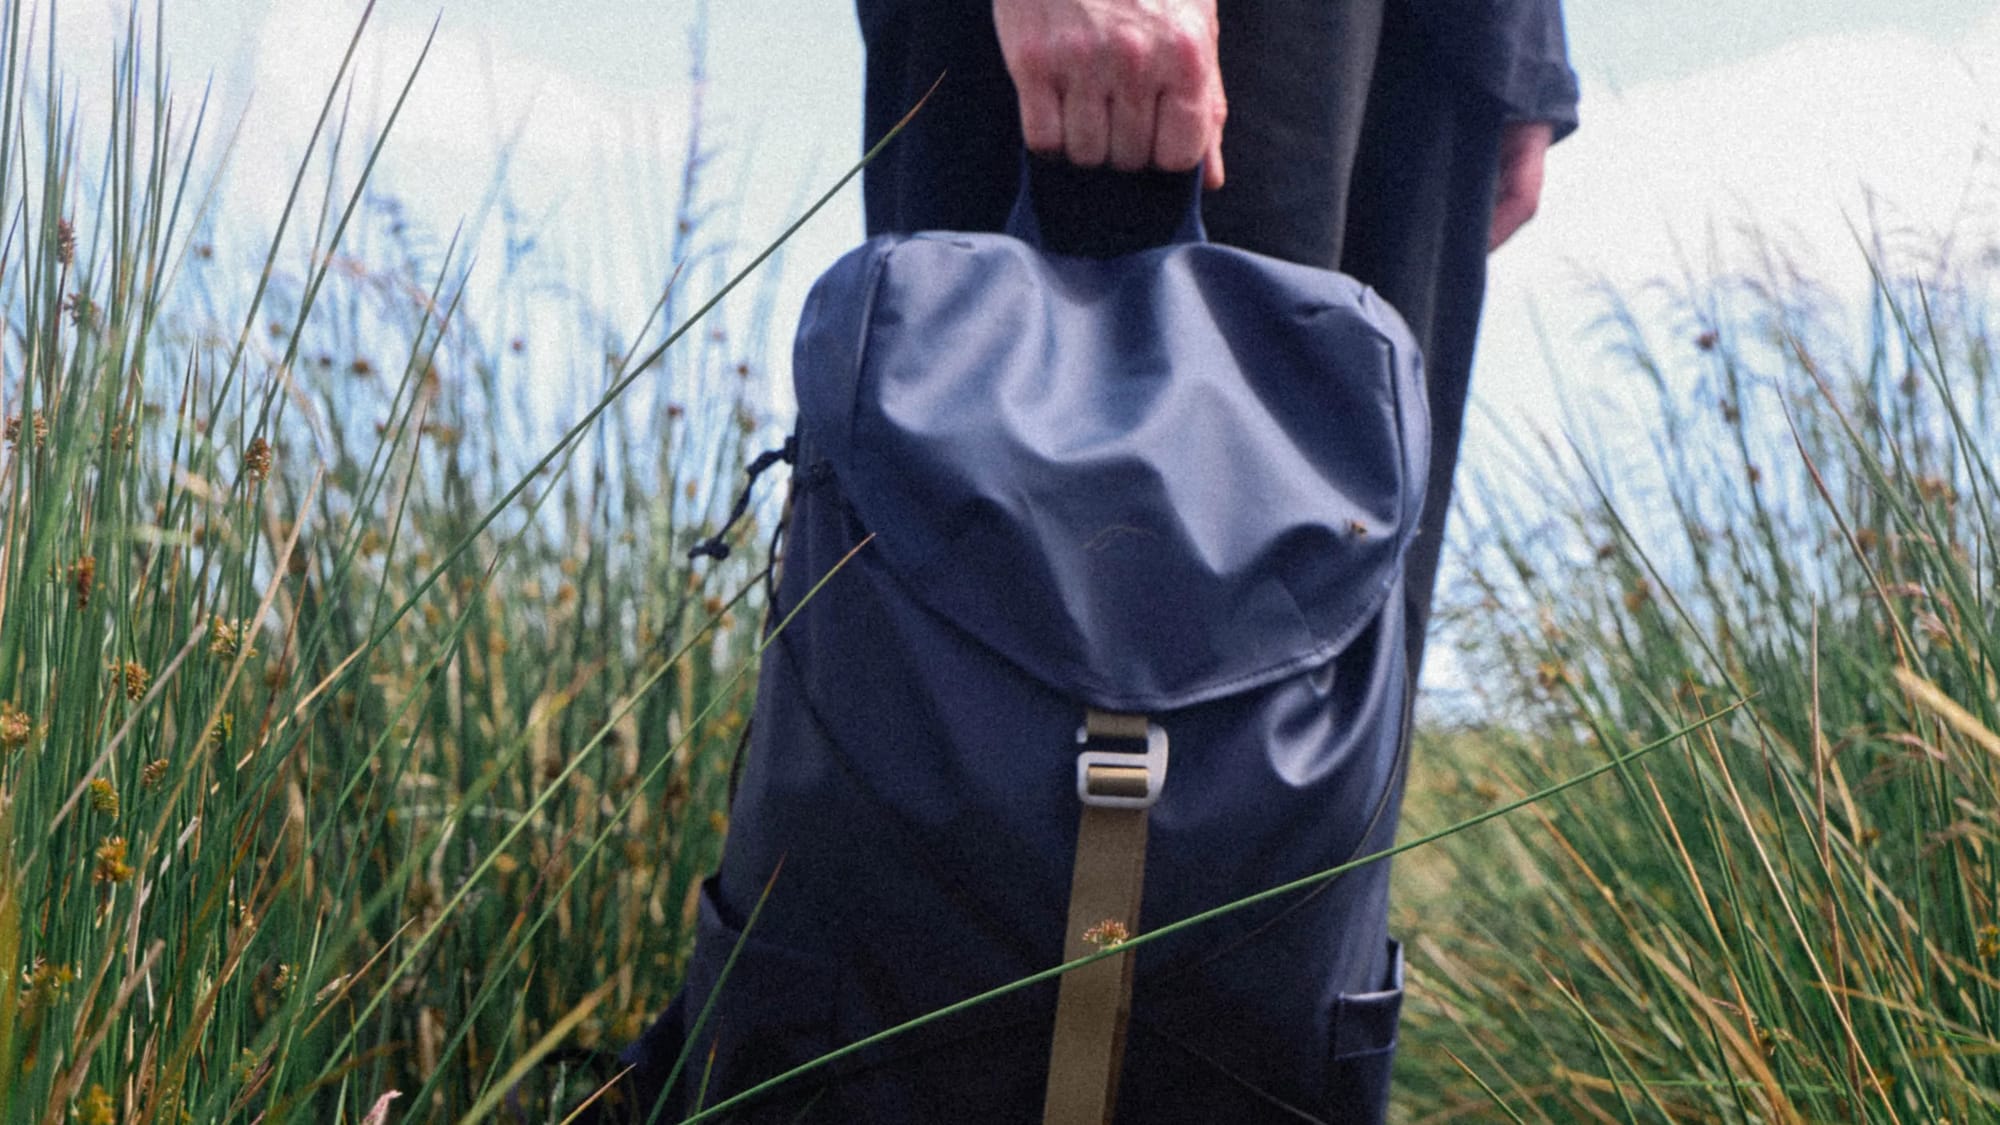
{"x": 716, "y": 546}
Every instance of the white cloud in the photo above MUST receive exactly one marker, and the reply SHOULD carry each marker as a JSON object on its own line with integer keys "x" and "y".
{"x": 476, "y": 95}
{"x": 1797, "y": 142}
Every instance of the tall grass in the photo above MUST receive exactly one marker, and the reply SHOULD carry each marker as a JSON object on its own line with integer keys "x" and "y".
{"x": 358, "y": 760}
{"x": 1792, "y": 918}
{"x": 352, "y": 757}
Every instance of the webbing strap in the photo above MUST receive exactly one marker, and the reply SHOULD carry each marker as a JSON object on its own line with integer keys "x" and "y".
{"x": 1095, "y": 1001}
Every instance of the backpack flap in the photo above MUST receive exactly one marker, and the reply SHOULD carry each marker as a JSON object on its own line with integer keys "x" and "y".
{"x": 1147, "y": 481}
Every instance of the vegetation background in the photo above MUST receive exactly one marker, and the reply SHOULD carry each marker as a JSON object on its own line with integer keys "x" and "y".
{"x": 365, "y": 726}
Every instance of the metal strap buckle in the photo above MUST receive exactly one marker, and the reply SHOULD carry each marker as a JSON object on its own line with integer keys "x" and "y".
{"x": 1120, "y": 779}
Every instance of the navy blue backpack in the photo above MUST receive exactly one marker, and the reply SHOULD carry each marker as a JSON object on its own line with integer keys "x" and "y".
{"x": 1115, "y": 605}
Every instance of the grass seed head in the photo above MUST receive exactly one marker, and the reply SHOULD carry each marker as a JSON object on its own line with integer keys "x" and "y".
{"x": 111, "y": 865}
{"x": 103, "y": 797}
{"x": 82, "y": 312}
{"x": 136, "y": 679}
{"x": 257, "y": 461}
{"x": 1107, "y": 934}
{"x": 16, "y": 726}
{"x": 95, "y": 1107}
{"x": 39, "y": 424}
{"x": 1640, "y": 593}
{"x": 226, "y": 638}
{"x": 83, "y": 576}
{"x": 42, "y": 983}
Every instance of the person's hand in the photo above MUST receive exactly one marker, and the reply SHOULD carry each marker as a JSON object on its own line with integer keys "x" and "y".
{"x": 1523, "y": 144}
{"x": 1129, "y": 83}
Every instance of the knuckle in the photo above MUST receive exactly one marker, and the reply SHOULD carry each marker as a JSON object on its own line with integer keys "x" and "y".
{"x": 1034, "y": 59}
{"x": 1127, "y": 51}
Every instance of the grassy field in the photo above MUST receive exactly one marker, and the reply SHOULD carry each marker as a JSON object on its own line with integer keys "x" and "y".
{"x": 359, "y": 740}
{"x": 1789, "y": 916}
{"x": 363, "y": 735}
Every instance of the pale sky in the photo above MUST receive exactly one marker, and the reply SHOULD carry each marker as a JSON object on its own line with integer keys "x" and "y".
{"x": 1698, "y": 117}
{"x": 1694, "y": 114}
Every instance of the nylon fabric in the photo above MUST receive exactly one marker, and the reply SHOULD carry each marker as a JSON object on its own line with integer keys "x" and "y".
{"x": 1210, "y": 490}
{"x": 1060, "y": 511}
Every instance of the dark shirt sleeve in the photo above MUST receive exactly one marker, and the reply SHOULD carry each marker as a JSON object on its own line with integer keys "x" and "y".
{"x": 1512, "y": 50}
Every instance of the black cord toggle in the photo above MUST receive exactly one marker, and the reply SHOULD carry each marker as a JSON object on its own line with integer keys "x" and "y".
{"x": 715, "y": 547}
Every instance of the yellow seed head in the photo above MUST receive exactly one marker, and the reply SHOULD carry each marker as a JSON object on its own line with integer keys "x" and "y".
{"x": 136, "y": 678}
{"x": 111, "y": 865}
{"x": 221, "y": 637}
{"x": 245, "y": 1067}
{"x": 103, "y": 797}
{"x": 95, "y": 1107}
{"x": 1550, "y": 674}
{"x": 42, "y": 984}
{"x": 227, "y": 638}
{"x": 1989, "y": 942}
{"x": 16, "y": 726}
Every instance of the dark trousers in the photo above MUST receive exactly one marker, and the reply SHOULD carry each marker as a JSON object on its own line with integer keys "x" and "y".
{"x": 1347, "y": 147}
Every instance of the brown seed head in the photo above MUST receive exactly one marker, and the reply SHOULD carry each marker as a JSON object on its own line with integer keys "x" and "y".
{"x": 65, "y": 241}
{"x": 137, "y": 680}
{"x": 82, "y": 313}
{"x": 1640, "y": 593}
{"x": 16, "y": 726}
{"x": 257, "y": 461}
{"x": 1107, "y": 934}
{"x": 83, "y": 576}
{"x": 225, "y": 638}
{"x": 111, "y": 865}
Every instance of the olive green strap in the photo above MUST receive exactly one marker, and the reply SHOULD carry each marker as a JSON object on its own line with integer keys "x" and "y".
{"x": 1094, "y": 1001}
